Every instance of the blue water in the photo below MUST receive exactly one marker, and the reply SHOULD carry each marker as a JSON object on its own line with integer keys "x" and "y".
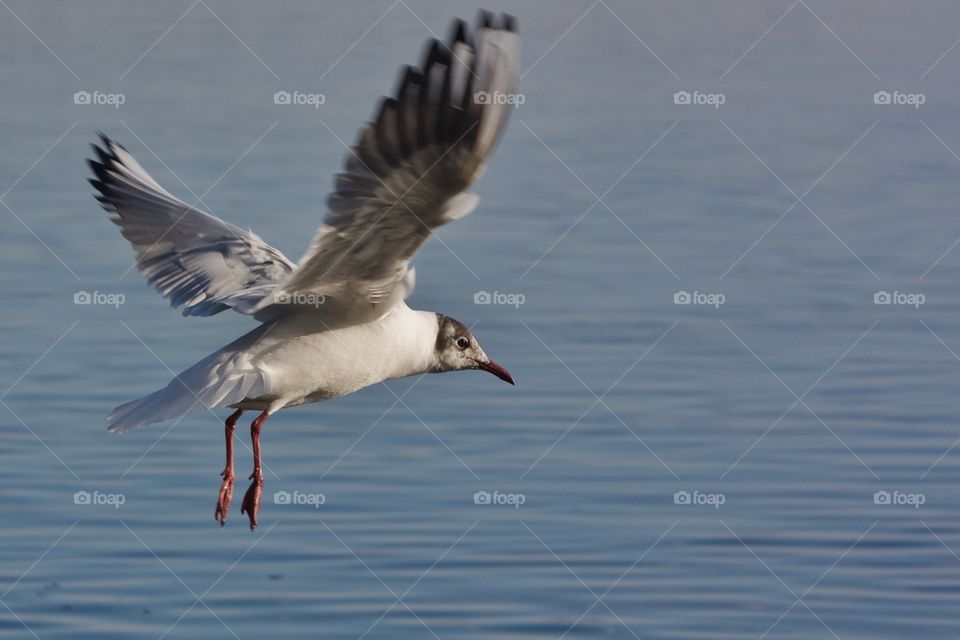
{"x": 783, "y": 410}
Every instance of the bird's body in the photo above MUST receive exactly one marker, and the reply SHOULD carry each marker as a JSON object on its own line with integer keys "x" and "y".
{"x": 309, "y": 365}
{"x": 292, "y": 361}
{"x": 336, "y": 321}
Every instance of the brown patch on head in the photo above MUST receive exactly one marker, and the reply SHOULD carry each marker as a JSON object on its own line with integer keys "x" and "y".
{"x": 449, "y": 330}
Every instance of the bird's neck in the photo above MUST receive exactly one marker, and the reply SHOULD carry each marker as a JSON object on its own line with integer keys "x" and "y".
{"x": 417, "y": 333}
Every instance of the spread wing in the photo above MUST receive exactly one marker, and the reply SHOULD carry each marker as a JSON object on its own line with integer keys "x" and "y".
{"x": 193, "y": 258}
{"x": 408, "y": 172}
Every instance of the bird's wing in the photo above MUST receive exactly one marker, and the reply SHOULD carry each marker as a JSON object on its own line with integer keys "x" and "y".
{"x": 408, "y": 172}
{"x": 193, "y": 258}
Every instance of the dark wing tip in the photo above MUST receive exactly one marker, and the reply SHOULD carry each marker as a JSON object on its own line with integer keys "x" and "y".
{"x": 98, "y": 169}
{"x": 422, "y": 110}
{"x": 436, "y": 52}
{"x": 105, "y": 153}
{"x": 458, "y": 32}
{"x": 485, "y": 20}
{"x": 109, "y": 142}
{"x": 105, "y": 162}
{"x": 408, "y": 75}
{"x": 488, "y": 20}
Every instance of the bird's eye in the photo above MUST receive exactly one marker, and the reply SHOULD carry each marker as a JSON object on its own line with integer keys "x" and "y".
{"x": 462, "y": 342}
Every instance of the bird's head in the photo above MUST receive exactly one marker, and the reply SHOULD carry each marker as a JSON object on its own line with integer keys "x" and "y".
{"x": 457, "y": 349}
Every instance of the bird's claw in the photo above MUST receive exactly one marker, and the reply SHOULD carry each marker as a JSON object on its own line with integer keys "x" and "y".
{"x": 225, "y": 497}
{"x": 251, "y": 500}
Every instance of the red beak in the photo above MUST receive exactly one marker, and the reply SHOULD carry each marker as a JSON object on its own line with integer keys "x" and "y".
{"x": 497, "y": 370}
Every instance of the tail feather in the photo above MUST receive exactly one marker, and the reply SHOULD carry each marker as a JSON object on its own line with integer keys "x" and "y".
{"x": 156, "y": 407}
{"x": 221, "y": 379}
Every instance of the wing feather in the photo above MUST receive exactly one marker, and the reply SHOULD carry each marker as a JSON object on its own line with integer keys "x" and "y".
{"x": 193, "y": 258}
{"x": 407, "y": 173}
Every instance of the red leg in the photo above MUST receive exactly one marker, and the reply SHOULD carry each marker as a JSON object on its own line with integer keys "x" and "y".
{"x": 226, "y": 487}
{"x": 251, "y": 501}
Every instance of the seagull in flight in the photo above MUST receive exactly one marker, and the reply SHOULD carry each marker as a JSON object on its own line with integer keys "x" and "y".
{"x": 337, "y": 321}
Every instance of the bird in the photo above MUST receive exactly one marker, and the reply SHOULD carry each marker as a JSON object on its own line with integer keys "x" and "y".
{"x": 336, "y": 321}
